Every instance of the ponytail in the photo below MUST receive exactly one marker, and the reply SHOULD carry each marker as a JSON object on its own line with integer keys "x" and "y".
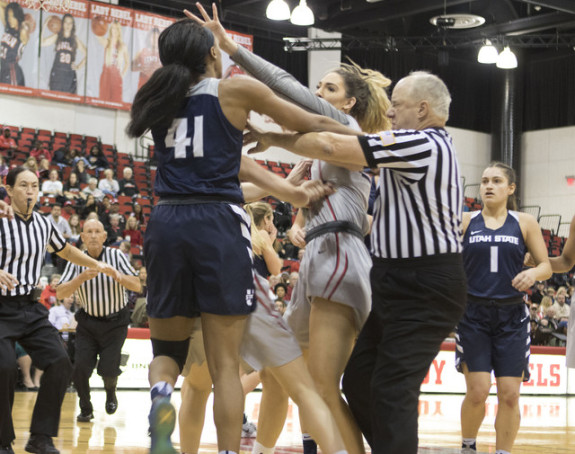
{"x": 183, "y": 47}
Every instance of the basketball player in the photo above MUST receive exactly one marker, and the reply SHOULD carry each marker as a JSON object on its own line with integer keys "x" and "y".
{"x": 15, "y": 37}
{"x": 493, "y": 334}
{"x": 331, "y": 300}
{"x": 196, "y": 122}
{"x": 63, "y": 73}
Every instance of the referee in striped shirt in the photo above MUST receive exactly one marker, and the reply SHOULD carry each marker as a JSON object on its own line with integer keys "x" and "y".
{"x": 24, "y": 239}
{"x": 103, "y": 318}
{"x": 418, "y": 282}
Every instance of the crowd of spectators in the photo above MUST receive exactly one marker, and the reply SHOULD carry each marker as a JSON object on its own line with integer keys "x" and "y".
{"x": 549, "y": 312}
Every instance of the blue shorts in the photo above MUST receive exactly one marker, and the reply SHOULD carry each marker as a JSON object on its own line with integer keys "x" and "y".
{"x": 199, "y": 259}
{"x": 493, "y": 337}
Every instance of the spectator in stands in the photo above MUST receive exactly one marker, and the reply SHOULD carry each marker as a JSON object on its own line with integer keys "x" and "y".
{"x": 80, "y": 169}
{"x": 89, "y": 207}
{"x": 96, "y": 159}
{"x": 137, "y": 301}
{"x": 138, "y": 213}
{"x": 539, "y": 292}
{"x": 128, "y": 186}
{"x": 7, "y": 143}
{"x": 63, "y": 227}
{"x": 25, "y": 364}
{"x": 280, "y": 291}
{"x": 48, "y": 296}
{"x": 114, "y": 230}
{"x": 93, "y": 189}
{"x": 108, "y": 185}
{"x": 550, "y": 291}
{"x": 104, "y": 210}
{"x": 561, "y": 310}
{"x": 76, "y": 229}
{"x": 274, "y": 280}
{"x": 132, "y": 232}
{"x": 113, "y": 208}
{"x": 68, "y": 210}
{"x": 293, "y": 278}
{"x": 52, "y": 187}
{"x": 72, "y": 190}
{"x": 78, "y": 156}
{"x": 64, "y": 156}
{"x": 32, "y": 165}
{"x": 43, "y": 169}
{"x": 3, "y": 167}
{"x": 62, "y": 317}
{"x": 280, "y": 306}
{"x": 40, "y": 151}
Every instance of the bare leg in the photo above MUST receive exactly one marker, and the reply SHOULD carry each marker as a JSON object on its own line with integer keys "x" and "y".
{"x": 473, "y": 405}
{"x": 314, "y": 413}
{"x": 25, "y": 363}
{"x": 164, "y": 368}
{"x": 222, "y": 339}
{"x": 195, "y": 391}
{"x": 273, "y": 410}
{"x": 37, "y": 377}
{"x": 250, "y": 381}
{"x": 332, "y": 336}
{"x": 508, "y": 415}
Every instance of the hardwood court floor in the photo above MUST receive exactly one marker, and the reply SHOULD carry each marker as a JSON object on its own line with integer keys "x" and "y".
{"x": 548, "y": 425}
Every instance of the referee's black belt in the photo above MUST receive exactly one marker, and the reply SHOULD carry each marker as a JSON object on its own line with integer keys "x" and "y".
{"x": 334, "y": 227}
{"x": 193, "y": 200}
{"x": 495, "y": 301}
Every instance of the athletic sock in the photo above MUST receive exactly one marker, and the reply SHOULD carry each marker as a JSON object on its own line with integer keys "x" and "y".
{"x": 261, "y": 449}
{"x": 245, "y": 419}
{"x": 227, "y": 452}
{"x": 309, "y": 444}
{"x": 502, "y": 451}
{"x": 469, "y": 443}
{"x": 161, "y": 388}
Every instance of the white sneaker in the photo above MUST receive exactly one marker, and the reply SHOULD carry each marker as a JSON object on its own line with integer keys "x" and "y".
{"x": 249, "y": 430}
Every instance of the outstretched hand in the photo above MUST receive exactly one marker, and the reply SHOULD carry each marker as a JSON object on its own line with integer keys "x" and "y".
{"x": 315, "y": 191}
{"x": 213, "y": 24}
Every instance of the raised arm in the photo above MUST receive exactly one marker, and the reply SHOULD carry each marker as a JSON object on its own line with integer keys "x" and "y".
{"x": 280, "y": 81}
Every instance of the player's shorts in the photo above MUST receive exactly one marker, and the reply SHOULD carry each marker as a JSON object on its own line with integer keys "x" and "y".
{"x": 267, "y": 342}
{"x": 335, "y": 267}
{"x": 494, "y": 337}
{"x": 199, "y": 259}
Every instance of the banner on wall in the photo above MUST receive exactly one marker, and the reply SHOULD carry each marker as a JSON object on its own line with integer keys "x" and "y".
{"x": 229, "y": 68}
{"x": 109, "y": 44}
{"x": 19, "y": 31}
{"x": 145, "y": 56}
{"x": 63, "y": 53}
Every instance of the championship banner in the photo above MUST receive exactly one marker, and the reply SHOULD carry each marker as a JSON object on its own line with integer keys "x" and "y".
{"x": 145, "y": 58}
{"x": 63, "y": 53}
{"x": 109, "y": 44}
{"x": 19, "y": 41}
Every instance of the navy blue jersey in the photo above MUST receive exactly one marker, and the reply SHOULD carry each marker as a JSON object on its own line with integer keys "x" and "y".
{"x": 492, "y": 258}
{"x": 65, "y": 54}
{"x": 200, "y": 154}
{"x": 260, "y": 266}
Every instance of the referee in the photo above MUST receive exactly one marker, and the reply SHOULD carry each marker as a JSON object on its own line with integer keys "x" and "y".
{"x": 23, "y": 242}
{"x": 418, "y": 283}
{"x": 103, "y": 318}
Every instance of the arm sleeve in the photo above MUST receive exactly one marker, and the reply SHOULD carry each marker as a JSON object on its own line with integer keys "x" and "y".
{"x": 123, "y": 264}
{"x": 285, "y": 85}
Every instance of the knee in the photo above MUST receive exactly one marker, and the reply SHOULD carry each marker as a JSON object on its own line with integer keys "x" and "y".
{"x": 508, "y": 397}
{"x": 477, "y": 395}
{"x": 327, "y": 387}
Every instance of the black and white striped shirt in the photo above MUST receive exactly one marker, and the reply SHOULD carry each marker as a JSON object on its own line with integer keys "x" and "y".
{"x": 419, "y": 201}
{"x": 102, "y": 296}
{"x": 23, "y": 248}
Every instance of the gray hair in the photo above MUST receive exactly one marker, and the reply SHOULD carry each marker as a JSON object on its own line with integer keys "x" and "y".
{"x": 429, "y": 87}
{"x": 93, "y": 180}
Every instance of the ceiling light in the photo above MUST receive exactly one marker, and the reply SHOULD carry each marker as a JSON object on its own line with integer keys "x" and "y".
{"x": 302, "y": 14}
{"x": 488, "y": 53}
{"x": 278, "y": 10}
{"x": 507, "y": 59}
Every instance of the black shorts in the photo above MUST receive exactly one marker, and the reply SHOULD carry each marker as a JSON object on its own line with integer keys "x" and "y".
{"x": 199, "y": 259}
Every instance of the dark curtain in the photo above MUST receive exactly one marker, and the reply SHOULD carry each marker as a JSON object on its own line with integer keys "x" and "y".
{"x": 549, "y": 92}
{"x": 469, "y": 83}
